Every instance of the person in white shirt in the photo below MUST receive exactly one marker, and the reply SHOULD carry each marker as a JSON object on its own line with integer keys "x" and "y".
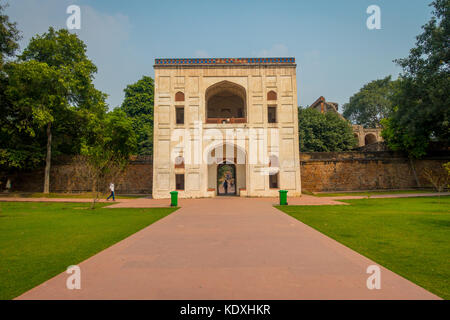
{"x": 111, "y": 187}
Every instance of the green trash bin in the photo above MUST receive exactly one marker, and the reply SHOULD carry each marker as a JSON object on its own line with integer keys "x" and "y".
{"x": 283, "y": 197}
{"x": 174, "y": 198}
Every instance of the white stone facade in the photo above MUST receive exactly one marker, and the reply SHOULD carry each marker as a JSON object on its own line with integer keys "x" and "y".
{"x": 232, "y": 118}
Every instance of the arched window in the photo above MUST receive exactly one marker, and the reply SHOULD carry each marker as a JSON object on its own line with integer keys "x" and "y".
{"x": 179, "y": 96}
{"x": 271, "y": 95}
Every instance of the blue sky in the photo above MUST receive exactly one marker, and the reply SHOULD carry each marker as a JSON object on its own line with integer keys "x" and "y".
{"x": 335, "y": 52}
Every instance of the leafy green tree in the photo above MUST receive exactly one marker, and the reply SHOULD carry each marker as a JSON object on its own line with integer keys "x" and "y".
{"x": 64, "y": 56}
{"x": 138, "y": 104}
{"x": 108, "y": 148}
{"x": 324, "y": 132}
{"x": 371, "y": 104}
{"x": 36, "y": 93}
{"x": 9, "y": 157}
{"x": 9, "y": 35}
{"x": 422, "y": 103}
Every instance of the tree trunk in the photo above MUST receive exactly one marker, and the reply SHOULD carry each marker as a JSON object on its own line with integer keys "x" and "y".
{"x": 414, "y": 171}
{"x": 48, "y": 159}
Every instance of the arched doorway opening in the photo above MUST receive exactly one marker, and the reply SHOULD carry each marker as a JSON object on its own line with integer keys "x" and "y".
{"x": 226, "y": 103}
{"x": 369, "y": 139}
{"x": 226, "y": 179}
{"x": 226, "y": 162}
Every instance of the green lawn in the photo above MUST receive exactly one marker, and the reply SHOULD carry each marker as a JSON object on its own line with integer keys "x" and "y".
{"x": 39, "y": 240}
{"x": 370, "y": 193}
{"x": 410, "y": 236}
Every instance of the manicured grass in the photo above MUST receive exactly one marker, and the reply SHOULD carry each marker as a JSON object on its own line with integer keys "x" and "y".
{"x": 84, "y": 195}
{"x": 40, "y": 240}
{"x": 371, "y": 193}
{"x": 410, "y": 236}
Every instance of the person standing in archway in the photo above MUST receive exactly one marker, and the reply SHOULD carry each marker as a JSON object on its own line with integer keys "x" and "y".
{"x": 225, "y": 186}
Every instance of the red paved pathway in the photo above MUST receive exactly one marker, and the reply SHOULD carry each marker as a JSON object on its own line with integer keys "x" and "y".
{"x": 228, "y": 248}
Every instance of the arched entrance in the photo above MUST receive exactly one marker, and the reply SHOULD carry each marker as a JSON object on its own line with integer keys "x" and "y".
{"x": 226, "y": 161}
{"x": 370, "y": 138}
{"x": 226, "y": 179}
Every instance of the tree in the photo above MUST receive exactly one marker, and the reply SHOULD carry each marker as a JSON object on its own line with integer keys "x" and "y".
{"x": 439, "y": 177}
{"x": 422, "y": 104}
{"x": 447, "y": 167}
{"x": 14, "y": 151}
{"x": 65, "y": 54}
{"x": 324, "y": 132}
{"x": 138, "y": 104}
{"x": 371, "y": 104}
{"x": 108, "y": 149}
{"x": 35, "y": 94}
{"x": 9, "y": 35}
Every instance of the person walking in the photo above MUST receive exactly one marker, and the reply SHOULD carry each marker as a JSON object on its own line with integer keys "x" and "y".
{"x": 111, "y": 187}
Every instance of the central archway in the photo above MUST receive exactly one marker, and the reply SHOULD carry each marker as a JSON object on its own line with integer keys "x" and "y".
{"x": 226, "y": 161}
{"x": 226, "y": 179}
{"x": 226, "y": 103}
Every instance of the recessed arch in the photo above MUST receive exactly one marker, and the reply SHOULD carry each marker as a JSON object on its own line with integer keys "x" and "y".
{"x": 226, "y": 102}
{"x": 370, "y": 138}
{"x": 179, "y": 96}
{"x": 274, "y": 169}
{"x": 273, "y": 161}
{"x": 271, "y": 95}
{"x": 179, "y": 162}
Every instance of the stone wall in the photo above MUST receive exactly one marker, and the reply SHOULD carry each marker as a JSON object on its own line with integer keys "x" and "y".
{"x": 320, "y": 171}
{"x": 67, "y": 176}
{"x": 341, "y": 171}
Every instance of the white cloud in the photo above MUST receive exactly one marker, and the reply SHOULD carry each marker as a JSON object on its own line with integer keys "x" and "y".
{"x": 277, "y": 50}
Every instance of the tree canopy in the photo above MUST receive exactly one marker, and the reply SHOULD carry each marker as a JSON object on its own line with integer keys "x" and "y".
{"x": 9, "y": 35}
{"x": 65, "y": 52}
{"x": 52, "y": 107}
{"x": 421, "y": 107}
{"x": 324, "y": 132}
{"x": 138, "y": 104}
{"x": 371, "y": 104}
{"x": 49, "y": 83}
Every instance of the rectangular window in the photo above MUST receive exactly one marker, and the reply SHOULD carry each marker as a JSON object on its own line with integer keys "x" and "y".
{"x": 273, "y": 181}
{"x": 180, "y": 115}
{"x": 179, "y": 181}
{"x": 272, "y": 114}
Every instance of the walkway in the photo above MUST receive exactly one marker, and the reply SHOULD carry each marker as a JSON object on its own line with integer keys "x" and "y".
{"x": 227, "y": 248}
{"x": 304, "y": 200}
